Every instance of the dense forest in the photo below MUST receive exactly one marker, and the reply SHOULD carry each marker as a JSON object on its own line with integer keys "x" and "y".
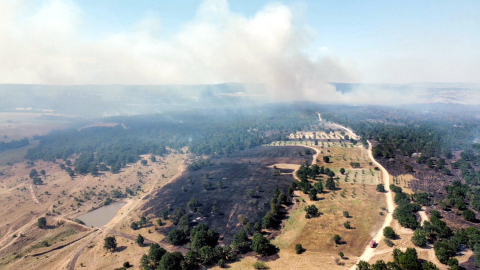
{"x": 433, "y": 130}
{"x": 13, "y": 144}
{"x": 432, "y": 134}
{"x": 204, "y": 132}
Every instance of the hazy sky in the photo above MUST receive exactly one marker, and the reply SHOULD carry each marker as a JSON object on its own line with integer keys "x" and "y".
{"x": 289, "y": 44}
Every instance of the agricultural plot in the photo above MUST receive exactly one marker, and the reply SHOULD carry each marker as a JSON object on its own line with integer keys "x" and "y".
{"x": 355, "y": 193}
{"x": 222, "y": 189}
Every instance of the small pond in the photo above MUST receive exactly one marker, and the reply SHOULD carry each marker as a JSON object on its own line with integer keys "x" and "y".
{"x": 102, "y": 215}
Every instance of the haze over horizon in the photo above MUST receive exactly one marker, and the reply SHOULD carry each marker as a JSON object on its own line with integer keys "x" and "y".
{"x": 295, "y": 48}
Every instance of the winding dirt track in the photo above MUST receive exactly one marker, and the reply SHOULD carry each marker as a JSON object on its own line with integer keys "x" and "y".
{"x": 130, "y": 206}
{"x": 369, "y": 252}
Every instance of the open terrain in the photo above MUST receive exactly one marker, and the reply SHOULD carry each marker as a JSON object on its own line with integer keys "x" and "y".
{"x": 355, "y": 193}
{"x": 61, "y": 199}
{"x": 230, "y": 177}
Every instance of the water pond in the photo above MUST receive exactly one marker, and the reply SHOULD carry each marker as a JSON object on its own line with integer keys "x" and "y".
{"x": 102, "y": 215}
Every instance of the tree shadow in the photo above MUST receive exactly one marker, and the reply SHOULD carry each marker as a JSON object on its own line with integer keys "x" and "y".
{"x": 120, "y": 249}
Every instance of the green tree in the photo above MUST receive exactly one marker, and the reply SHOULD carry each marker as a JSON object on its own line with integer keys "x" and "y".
{"x": 192, "y": 258}
{"x": 363, "y": 265}
{"x": 144, "y": 162}
{"x": 42, "y": 223}
{"x": 319, "y": 187}
{"x": 407, "y": 259}
{"x": 469, "y": 215}
{"x": 268, "y": 220}
{"x": 37, "y": 181}
{"x": 346, "y": 214}
{"x": 261, "y": 245}
{"x": 330, "y": 184}
{"x": 381, "y": 188}
{"x": 165, "y": 214}
{"x": 155, "y": 254}
{"x": 298, "y": 248}
{"x": 33, "y": 173}
{"x": 171, "y": 261}
{"x": 347, "y": 225}
{"x": 207, "y": 254}
{"x": 342, "y": 170}
{"x": 221, "y": 263}
{"x": 176, "y": 236}
{"x": 134, "y": 226}
{"x": 389, "y": 233}
{"x": 140, "y": 240}
{"x": 337, "y": 239}
{"x": 241, "y": 242}
{"x": 282, "y": 199}
{"x": 42, "y": 172}
{"x": 153, "y": 158}
{"x": 313, "y": 194}
{"x": 160, "y": 222}
{"x": 110, "y": 243}
{"x": 326, "y": 159}
{"x": 193, "y": 204}
{"x": 419, "y": 239}
{"x": 276, "y": 192}
{"x": 311, "y": 211}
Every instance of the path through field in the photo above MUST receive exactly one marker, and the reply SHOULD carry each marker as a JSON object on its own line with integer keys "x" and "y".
{"x": 369, "y": 252}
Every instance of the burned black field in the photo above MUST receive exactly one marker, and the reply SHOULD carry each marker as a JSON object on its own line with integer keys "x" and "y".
{"x": 238, "y": 173}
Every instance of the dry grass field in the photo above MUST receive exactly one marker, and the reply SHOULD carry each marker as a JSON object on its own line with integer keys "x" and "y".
{"x": 17, "y": 125}
{"x": 61, "y": 199}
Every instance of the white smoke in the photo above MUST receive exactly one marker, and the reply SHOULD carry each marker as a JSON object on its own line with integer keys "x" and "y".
{"x": 217, "y": 46}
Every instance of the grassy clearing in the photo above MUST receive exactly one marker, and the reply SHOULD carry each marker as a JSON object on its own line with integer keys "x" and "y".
{"x": 15, "y": 155}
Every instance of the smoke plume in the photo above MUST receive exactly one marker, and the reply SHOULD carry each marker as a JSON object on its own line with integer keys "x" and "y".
{"x": 216, "y": 46}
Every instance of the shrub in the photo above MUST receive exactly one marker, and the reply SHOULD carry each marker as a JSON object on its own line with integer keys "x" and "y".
{"x": 42, "y": 223}
{"x": 346, "y": 214}
{"x": 110, "y": 243}
{"x": 380, "y": 188}
{"x": 337, "y": 239}
{"x": 312, "y": 211}
{"x": 388, "y": 242}
{"x": 260, "y": 265}
{"x": 469, "y": 215}
{"x": 221, "y": 263}
{"x": 298, "y": 248}
{"x": 347, "y": 225}
{"x": 140, "y": 240}
{"x": 134, "y": 226}
{"x": 341, "y": 255}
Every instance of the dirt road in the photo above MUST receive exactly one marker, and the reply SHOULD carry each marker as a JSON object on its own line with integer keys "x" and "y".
{"x": 369, "y": 252}
{"x": 123, "y": 212}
